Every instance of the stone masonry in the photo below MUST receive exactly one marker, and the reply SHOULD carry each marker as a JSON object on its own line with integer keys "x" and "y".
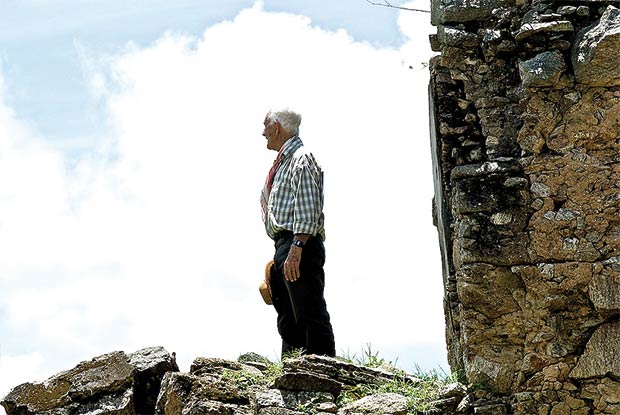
{"x": 525, "y": 135}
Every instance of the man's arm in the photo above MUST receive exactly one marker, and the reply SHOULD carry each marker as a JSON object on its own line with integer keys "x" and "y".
{"x": 291, "y": 265}
{"x": 308, "y": 185}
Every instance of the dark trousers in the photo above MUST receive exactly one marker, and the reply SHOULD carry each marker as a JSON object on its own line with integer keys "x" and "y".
{"x": 303, "y": 320}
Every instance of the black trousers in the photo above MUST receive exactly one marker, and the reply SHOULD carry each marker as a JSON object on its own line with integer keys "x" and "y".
{"x": 303, "y": 320}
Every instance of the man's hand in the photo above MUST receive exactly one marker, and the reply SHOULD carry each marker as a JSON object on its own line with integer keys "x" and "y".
{"x": 291, "y": 265}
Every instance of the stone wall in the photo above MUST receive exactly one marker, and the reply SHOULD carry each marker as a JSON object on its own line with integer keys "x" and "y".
{"x": 525, "y": 134}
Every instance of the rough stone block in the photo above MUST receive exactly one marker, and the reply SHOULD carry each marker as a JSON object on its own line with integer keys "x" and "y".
{"x": 596, "y": 51}
{"x": 604, "y": 291}
{"x": 529, "y": 29}
{"x": 183, "y": 393}
{"x": 382, "y": 403}
{"x": 600, "y": 357}
{"x": 543, "y": 70}
{"x": 491, "y": 291}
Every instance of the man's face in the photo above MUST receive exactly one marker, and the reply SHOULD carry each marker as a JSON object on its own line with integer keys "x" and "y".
{"x": 270, "y": 133}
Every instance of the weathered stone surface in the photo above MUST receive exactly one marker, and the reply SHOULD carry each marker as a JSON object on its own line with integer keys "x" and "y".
{"x": 526, "y": 162}
{"x": 255, "y": 360}
{"x": 595, "y": 53}
{"x": 216, "y": 366}
{"x": 112, "y": 383}
{"x": 278, "y": 398}
{"x": 301, "y": 381}
{"x": 383, "y": 403}
{"x": 604, "y": 288}
{"x": 443, "y": 11}
{"x": 600, "y": 357}
{"x": 151, "y": 365}
{"x": 496, "y": 409}
{"x": 341, "y": 371}
{"x": 187, "y": 393}
{"x": 452, "y": 36}
{"x": 542, "y": 70}
{"x": 604, "y": 394}
{"x": 530, "y": 29}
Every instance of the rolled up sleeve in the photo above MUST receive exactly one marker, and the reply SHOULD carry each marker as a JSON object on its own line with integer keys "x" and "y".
{"x": 308, "y": 198}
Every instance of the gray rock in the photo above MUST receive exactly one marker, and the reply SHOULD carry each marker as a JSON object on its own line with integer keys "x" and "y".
{"x": 381, "y": 403}
{"x": 184, "y": 393}
{"x": 545, "y": 69}
{"x": 343, "y": 372}
{"x": 451, "y": 36}
{"x": 328, "y": 407}
{"x": 255, "y": 360}
{"x": 292, "y": 400}
{"x": 270, "y": 397}
{"x": 583, "y": 11}
{"x": 600, "y": 357}
{"x": 113, "y": 383}
{"x": 216, "y": 366}
{"x": 301, "y": 381}
{"x": 595, "y": 54}
{"x": 444, "y": 11}
{"x": 566, "y": 10}
{"x": 151, "y": 365}
{"x": 529, "y": 29}
{"x": 453, "y": 390}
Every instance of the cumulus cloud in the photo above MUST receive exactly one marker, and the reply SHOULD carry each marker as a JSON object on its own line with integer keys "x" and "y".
{"x": 154, "y": 236}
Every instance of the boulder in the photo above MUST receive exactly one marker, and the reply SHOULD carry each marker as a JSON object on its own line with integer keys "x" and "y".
{"x": 542, "y": 70}
{"x": 113, "y": 383}
{"x": 188, "y": 393}
{"x": 381, "y": 403}
{"x": 596, "y": 50}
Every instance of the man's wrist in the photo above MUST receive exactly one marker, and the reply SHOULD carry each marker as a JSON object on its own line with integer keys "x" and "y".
{"x": 300, "y": 239}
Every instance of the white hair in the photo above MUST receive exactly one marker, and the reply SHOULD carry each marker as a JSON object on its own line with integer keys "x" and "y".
{"x": 288, "y": 119}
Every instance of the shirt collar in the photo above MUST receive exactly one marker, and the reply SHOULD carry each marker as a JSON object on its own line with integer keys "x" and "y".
{"x": 290, "y": 146}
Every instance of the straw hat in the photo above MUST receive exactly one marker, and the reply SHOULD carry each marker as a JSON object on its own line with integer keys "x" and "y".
{"x": 264, "y": 289}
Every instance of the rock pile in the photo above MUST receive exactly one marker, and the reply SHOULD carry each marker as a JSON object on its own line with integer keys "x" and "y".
{"x": 114, "y": 383}
{"x": 525, "y": 124}
{"x": 149, "y": 382}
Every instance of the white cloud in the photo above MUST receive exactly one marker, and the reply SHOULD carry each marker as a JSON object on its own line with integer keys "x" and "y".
{"x": 155, "y": 236}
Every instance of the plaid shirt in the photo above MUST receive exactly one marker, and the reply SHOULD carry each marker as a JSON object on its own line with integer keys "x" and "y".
{"x": 295, "y": 202}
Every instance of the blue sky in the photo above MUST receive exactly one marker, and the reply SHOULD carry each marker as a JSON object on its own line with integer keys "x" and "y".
{"x": 44, "y": 79}
{"x": 131, "y": 161}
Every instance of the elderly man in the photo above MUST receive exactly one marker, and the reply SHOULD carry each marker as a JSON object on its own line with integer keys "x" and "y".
{"x": 292, "y": 204}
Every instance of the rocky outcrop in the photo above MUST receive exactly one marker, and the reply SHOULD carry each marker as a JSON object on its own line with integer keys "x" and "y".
{"x": 525, "y": 124}
{"x": 148, "y": 382}
{"x": 115, "y": 383}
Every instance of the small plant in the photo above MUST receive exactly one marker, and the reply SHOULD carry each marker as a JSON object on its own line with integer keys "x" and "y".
{"x": 420, "y": 394}
{"x": 368, "y": 358}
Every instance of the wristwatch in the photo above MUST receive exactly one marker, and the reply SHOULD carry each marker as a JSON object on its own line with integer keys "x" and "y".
{"x": 298, "y": 243}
